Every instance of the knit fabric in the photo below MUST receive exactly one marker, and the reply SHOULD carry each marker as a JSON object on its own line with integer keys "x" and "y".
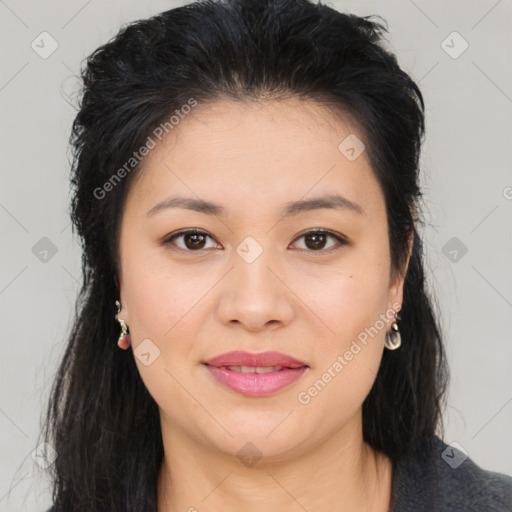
{"x": 449, "y": 482}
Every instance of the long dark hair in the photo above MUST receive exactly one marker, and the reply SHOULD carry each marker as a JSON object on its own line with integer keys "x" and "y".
{"x": 101, "y": 420}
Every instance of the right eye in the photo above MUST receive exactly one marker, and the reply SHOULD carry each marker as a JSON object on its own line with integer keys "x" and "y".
{"x": 194, "y": 240}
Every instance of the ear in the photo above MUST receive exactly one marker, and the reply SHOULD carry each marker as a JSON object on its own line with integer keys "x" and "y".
{"x": 396, "y": 289}
{"x": 122, "y": 298}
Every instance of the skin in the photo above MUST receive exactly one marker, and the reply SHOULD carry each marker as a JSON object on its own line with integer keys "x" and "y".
{"x": 294, "y": 298}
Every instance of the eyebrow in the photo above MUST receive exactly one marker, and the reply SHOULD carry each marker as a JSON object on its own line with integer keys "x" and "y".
{"x": 330, "y": 201}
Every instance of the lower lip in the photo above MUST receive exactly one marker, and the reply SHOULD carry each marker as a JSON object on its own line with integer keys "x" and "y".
{"x": 256, "y": 384}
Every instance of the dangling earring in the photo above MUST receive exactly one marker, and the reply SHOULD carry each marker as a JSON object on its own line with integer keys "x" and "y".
{"x": 124, "y": 338}
{"x": 393, "y": 339}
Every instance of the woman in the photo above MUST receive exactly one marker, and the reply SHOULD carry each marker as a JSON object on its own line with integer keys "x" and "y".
{"x": 246, "y": 191}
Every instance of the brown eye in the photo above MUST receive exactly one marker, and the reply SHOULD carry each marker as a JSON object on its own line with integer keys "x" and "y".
{"x": 193, "y": 240}
{"x": 316, "y": 241}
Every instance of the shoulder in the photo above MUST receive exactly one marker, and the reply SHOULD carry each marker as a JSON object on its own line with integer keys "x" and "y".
{"x": 447, "y": 480}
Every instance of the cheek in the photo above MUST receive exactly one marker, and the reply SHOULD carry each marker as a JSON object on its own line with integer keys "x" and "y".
{"x": 349, "y": 353}
{"x": 160, "y": 295}
{"x": 349, "y": 300}
{"x": 164, "y": 309}
{"x": 352, "y": 305}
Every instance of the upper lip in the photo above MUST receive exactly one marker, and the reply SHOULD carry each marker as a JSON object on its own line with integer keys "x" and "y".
{"x": 241, "y": 358}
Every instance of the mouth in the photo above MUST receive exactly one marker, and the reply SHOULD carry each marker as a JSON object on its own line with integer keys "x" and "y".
{"x": 248, "y": 362}
{"x": 256, "y": 381}
{"x": 255, "y": 375}
{"x": 258, "y": 369}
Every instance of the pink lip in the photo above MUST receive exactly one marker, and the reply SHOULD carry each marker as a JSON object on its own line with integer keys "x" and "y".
{"x": 241, "y": 358}
{"x": 256, "y": 384}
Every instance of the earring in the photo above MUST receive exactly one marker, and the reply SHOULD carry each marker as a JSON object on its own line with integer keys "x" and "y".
{"x": 124, "y": 338}
{"x": 393, "y": 339}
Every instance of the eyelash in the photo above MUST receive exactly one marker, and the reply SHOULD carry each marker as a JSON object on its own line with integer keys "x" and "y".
{"x": 341, "y": 241}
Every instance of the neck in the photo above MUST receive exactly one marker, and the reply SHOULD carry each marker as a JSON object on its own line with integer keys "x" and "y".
{"x": 343, "y": 470}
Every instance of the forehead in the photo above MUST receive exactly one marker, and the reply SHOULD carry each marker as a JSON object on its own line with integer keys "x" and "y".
{"x": 258, "y": 153}
{"x": 232, "y": 125}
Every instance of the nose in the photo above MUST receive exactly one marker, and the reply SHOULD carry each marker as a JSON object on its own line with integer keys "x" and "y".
{"x": 255, "y": 294}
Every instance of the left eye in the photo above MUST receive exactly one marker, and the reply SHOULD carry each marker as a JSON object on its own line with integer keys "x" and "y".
{"x": 316, "y": 238}
{"x": 194, "y": 240}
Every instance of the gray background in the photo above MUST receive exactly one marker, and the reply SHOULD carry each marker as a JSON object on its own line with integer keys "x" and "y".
{"x": 467, "y": 182}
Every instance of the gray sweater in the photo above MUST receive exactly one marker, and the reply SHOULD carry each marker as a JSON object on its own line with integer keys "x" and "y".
{"x": 449, "y": 482}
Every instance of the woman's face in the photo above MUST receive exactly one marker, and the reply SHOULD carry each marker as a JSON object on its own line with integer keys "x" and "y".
{"x": 259, "y": 277}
